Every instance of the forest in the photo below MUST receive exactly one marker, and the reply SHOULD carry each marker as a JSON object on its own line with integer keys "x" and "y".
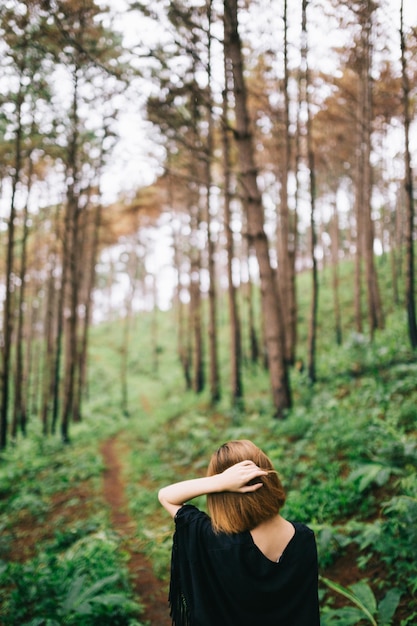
{"x": 207, "y": 232}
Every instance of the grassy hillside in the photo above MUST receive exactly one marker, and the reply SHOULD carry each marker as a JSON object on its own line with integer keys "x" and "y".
{"x": 347, "y": 453}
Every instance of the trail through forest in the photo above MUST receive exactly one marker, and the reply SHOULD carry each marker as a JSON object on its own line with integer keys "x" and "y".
{"x": 150, "y": 591}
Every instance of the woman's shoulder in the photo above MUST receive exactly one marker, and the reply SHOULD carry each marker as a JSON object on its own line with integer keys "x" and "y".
{"x": 302, "y": 529}
{"x": 189, "y": 513}
{"x": 197, "y": 524}
{"x": 304, "y": 538}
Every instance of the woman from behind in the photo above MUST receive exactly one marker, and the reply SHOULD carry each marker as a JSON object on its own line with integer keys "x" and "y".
{"x": 243, "y": 564}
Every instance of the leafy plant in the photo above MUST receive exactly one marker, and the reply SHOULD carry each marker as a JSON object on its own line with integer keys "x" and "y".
{"x": 78, "y": 587}
{"x": 372, "y": 473}
{"x": 81, "y": 598}
{"x": 365, "y": 604}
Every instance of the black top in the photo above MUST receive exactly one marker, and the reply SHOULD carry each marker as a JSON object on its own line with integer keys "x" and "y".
{"x": 225, "y": 580}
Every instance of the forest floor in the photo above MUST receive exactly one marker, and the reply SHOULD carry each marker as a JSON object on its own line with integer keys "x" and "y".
{"x": 147, "y": 587}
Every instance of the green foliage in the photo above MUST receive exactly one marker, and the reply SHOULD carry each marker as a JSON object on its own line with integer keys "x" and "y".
{"x": 346, "y": 452}
{"x": 371, "y": 473}
{"x": 365, "y": 604}
{"x": 76, "y": 587}
{"x": 35, "y": 458}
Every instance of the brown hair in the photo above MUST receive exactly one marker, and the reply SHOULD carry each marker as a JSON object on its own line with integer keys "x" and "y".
{"x": 237, "y": 512}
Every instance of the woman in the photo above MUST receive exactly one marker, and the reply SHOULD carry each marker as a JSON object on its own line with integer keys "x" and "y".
{"x": 245, "y": 565}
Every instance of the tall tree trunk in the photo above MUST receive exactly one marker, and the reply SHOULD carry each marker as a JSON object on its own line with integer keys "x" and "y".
{"x": 196, "y": 316}
{"x": 183, "y": 337}
{"x": 72, "y": 235}
{"x": 82, "y": 281}
{"x": 134, "y": 274}
{"x": 196, "y": 323}
{"x": 286, "y": 238}
{"x": 312, "y": 329}
{"x": 375, "y": 318}
{"x": 392, "y": 246}
{"x": 33, "y": 364}
{"x": 409, "y": 274}
{"x": 254, "y": 350}
{"x": 124, "y": 352}
{"x": 49, "y": 361}
{"x": 271, "y": 305}
{"x": 20, "y": 387}
{"x": 212, "y": 292}
{"x": 335, "y": 243}
{"x": 359, "y": 231}
{"x": 7, "y": 306}
{"x": 91, "y": 276}
{"x": 235, "y": 332}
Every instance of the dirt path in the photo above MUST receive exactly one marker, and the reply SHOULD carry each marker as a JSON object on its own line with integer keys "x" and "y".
{"x": 149, "y": 589}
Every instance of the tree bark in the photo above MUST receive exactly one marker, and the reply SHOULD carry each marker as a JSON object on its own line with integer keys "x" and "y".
{"x": 335, "y": 243}
{"x": 270, "y": 300}
{"x": 375, "y": 317}
{"x": 196, "y": 322}
{"x": 285, "y": 236}
{"x": 312, "y": 328}
{"x": 235, "y": 331}
{"x": 408, "y": 184}
{"x": 9, "y": 295}
{"x": 49, "y": 361}
{"x": 72, "y": 215}
{"x": 211, "y": 248}
{"x": 20, "y": 386}
{"x": 183, "y": 337}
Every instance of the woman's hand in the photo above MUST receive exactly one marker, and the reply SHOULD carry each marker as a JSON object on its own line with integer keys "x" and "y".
{"x": 237, "y": 477}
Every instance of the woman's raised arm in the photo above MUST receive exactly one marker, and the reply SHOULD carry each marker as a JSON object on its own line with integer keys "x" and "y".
{"x": 234, "y": 478}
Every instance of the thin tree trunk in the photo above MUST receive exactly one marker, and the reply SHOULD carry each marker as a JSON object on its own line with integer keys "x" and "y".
{"x": 124, "y": 366}
{"x": 50, "y": 361}
{"x": 196, "y": 322}
{"x": 254, "y": 350}
{"x": 91, "y": 265}
{"x": 393, "y": 224}
{"x": 196, "y": 317}
{"x": 358, "y": 239}
{"x": 312, "y": 329}
{"x": 20, "y": 387}
{"x": 271, "y": 305}
{"x": 33, "y": 364}
{"x": 285, "y": 240}
{"x": 82, "y": 280}
{"x": 155, "y": 326}
{"x": 335, "y": 243}
{"x": 7, "y": 306}
{"x": 235, "y": 332}
{"x": 375, "y": 318}
{"x": 183, "y": 342}
{"x": 212, "y": 292}
{"x": 409, "y": 274}
{"x": 71, "y": 234}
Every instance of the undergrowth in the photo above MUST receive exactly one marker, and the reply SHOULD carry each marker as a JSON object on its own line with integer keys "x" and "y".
{"x": 74, "y": 571}
{"x": 346, "y": 452}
